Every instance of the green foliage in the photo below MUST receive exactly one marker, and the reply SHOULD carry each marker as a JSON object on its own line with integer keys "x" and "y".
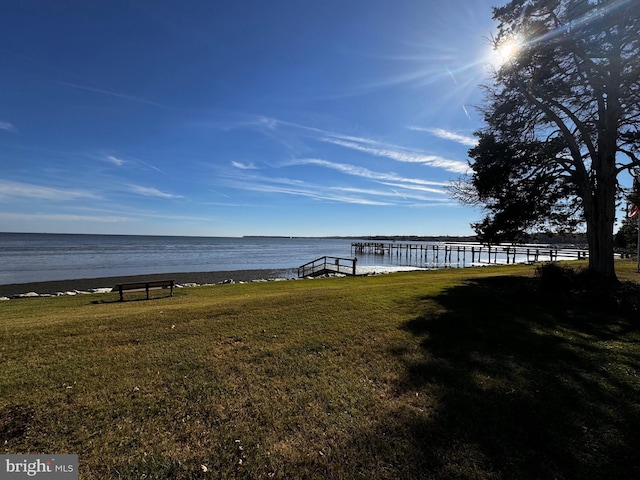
{"x": 627, "y": 236}
{"x": 522, "y": 188}
{"x": 555, "y": 281}
{"x": 565, "y": 287}
{"x": 626, "y": 239}
{"x": 633, "y": 198}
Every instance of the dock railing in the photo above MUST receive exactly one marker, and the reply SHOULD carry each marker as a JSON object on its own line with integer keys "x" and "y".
{"x": 326, "y": 265}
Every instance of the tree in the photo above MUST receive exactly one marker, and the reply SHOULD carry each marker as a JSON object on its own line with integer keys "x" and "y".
{"x": 562, "y": 119}
{"x": 626, "y": 239}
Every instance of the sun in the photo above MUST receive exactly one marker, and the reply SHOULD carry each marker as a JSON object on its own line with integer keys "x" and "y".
{"x": 506, "y": 51}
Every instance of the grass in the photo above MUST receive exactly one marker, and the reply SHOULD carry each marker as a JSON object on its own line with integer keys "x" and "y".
{"x": 446, "y": 374}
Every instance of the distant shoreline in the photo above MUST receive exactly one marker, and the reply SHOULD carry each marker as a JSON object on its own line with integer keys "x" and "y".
{"x": 538, "y": 238}
{"x": 413, "y": 238}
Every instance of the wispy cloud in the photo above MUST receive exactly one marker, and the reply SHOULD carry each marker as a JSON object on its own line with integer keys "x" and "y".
{"x": 419, "y": 188}
{"x": 9, "y": 127}
{"x": 115, "y": 160}
{"x": 244, "y": 166}
{"x": 118, "y": 161}
{"x": 148, "y": 165}
{"x": 466, "y": 112}
{"x": 369, "y": 174}
{"x": 62, "y": 217}
{"x": 137, "y": 214}
{"x": 400, "y": 154}
{"x": 362, "y": 144}
{"x": 390, "y": 193}
{"x": 448, "y": 135}
{"x": 397, "y": 190}
{"x": 152, "y": 192}
{"x": 370, "y": 187}
{"x": 122, "y": 96}
{"x": 10, "y": 190}
{"x": 316, "y": 193}
{"x": 288, "y": 186}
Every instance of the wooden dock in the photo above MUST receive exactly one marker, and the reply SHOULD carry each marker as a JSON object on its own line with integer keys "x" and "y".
{"x": 467, "y": 254}
{"x": 328, "y": 265}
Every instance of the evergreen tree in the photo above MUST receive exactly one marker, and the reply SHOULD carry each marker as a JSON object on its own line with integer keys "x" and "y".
{"x": 562, "y": 120}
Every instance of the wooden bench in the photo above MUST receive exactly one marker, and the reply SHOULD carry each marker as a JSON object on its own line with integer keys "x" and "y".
{"x": 143, "y": 287}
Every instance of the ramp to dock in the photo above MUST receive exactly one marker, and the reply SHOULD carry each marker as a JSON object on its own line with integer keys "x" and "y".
{"x": 328, "y": 265}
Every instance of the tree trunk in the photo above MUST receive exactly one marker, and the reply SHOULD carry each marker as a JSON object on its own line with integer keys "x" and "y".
{"x": 601, "y": 250}
{"x": 605, "y": 182}
{"x": 600, "y": 217}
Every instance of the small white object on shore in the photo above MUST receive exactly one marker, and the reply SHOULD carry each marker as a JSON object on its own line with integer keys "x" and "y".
{"x": 102, "y": 290}
{"x": 376, "y": 269}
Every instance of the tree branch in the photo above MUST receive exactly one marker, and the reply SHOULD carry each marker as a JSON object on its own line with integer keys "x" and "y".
{"x": 580, "y": 172}
{"x": 635, "y": 161}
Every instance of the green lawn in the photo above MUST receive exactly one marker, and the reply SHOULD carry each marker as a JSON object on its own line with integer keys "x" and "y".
{"x": 448, "y": 374}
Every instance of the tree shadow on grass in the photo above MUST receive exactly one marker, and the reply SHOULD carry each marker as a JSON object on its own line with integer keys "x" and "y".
{"x": 519, "y": 389}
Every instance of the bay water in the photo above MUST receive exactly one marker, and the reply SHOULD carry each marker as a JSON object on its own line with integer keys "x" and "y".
{"x": 36, "y": 257}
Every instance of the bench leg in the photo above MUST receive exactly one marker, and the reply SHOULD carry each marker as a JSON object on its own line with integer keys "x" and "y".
{"x": 121, "y": 295}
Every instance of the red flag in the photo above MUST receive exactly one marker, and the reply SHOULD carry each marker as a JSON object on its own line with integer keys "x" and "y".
{"x": 634, "y": 212}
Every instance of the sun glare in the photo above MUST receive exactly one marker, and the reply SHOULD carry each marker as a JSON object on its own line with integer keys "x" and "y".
{"x": 506, "y": 51}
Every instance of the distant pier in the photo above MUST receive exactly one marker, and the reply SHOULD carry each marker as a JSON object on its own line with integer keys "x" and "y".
{"x": 438, "y": 255}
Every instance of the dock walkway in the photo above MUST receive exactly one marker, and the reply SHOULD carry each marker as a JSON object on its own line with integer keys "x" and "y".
{"x": 463, "y": 254}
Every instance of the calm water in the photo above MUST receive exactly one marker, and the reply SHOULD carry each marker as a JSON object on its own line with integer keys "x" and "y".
{"x": 43, "y": 257}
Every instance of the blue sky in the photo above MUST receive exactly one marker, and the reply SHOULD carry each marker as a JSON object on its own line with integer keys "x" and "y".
{"x": 227, "y": 118}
